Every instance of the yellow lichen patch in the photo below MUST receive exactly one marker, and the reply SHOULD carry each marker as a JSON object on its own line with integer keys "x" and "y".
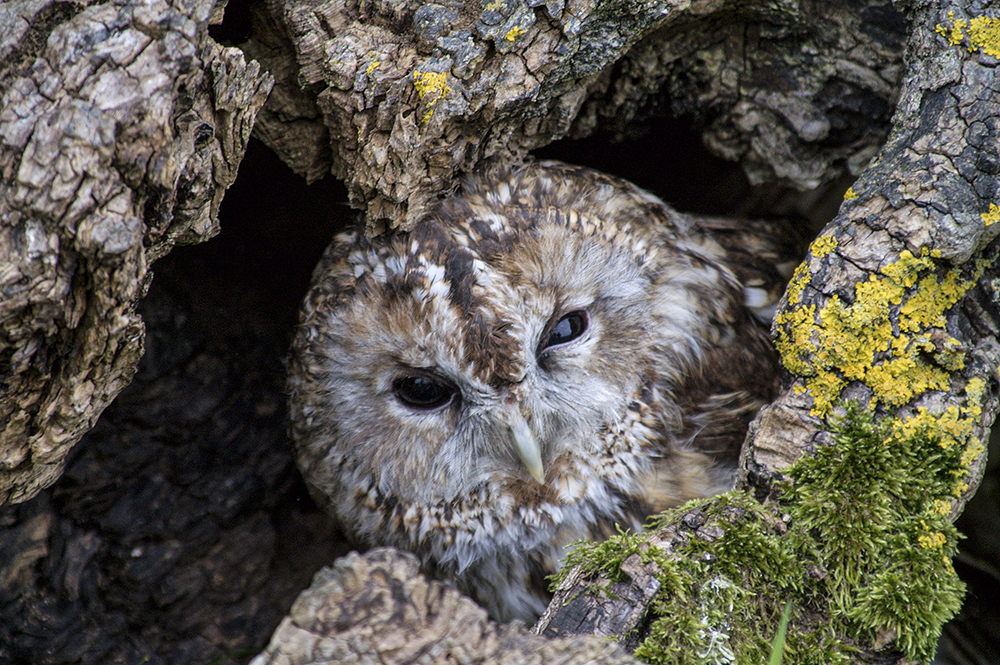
{"x": 513, "y": 34}
{"x": 372, "y": 67}
{"x": 991, "y": 216}
{"x": 929, "y": 538}
{"x": 883, "y": 339}
{"x": 954, "y": 33}
{"x": 822, "y": 246}
{"x": 982, "y": 32}
{"x": 952, "y": 428}
{"x": 974, "y": 390}
{"x": 798, "y": 281}
{"x": 942, "y": 507}
{"x": 432, "y": 87}
{"x": 850, "y": 195}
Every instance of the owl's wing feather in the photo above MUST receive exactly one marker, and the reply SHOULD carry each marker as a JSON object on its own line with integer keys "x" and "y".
{"x": 736, "y": 371}
{"x": 762, "y": 254}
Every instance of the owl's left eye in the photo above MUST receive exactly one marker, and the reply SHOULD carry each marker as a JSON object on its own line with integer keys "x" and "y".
{"x": 570, "y": 327}
{"x": 423, "y": 393}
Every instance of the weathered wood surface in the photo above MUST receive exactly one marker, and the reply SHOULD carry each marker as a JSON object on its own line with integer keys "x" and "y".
{"x": 378, "y": 607}
{"x": 400, "y": 98}
{"x": 122, "y": 124}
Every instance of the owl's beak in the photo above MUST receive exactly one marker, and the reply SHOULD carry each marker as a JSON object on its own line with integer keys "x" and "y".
{"x": 526, "y": 446}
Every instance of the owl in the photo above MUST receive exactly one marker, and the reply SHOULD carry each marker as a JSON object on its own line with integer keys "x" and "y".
{"x": 552, "y": 354}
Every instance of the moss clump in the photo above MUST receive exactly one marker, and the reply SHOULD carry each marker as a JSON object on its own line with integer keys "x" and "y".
{"x": 871, "y": 504}
{"x": 862, "y": 549}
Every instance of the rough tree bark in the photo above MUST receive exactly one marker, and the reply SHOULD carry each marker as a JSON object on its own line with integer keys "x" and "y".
{"x": 122, "y": 124}
{"x": 400, "y": 98}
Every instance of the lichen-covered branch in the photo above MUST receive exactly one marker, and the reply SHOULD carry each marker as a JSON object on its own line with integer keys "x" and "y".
{"x": 400, "y": 99}
{"x": 850, "y": 480}
{"x": 121, "y": 126}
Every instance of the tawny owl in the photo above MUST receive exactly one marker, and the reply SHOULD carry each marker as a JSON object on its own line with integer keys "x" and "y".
{"x": 551, "y": 353}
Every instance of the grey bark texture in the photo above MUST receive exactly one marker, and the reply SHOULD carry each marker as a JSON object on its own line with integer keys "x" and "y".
{"x": 400, "y": 98}
{"x": 122, "y": 124}
{"x": 378, "y": 606}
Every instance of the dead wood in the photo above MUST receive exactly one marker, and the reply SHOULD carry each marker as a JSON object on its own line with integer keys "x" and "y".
{"x": 378, "y": 605}
{"x": 122, "y": 126}
{"x": 401, "y": 98}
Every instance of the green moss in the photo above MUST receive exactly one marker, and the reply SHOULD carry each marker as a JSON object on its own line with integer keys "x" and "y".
{"x": 871, "y": 503}
{"x": 864, "y": 541}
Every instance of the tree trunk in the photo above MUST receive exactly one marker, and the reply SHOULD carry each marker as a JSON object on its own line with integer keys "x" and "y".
{"x": 181, "y": 531}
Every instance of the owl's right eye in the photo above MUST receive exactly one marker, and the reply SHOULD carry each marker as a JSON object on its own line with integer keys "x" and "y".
{"x": 423, "y": 393}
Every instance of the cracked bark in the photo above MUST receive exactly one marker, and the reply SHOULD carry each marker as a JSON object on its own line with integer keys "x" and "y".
{"x": 401, "y": 98}
{"x": 122, "y": 126}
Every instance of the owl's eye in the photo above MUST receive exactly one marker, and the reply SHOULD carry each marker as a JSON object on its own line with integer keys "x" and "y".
{"x": 571, "y": 326}
{"x": 423, "y": 393}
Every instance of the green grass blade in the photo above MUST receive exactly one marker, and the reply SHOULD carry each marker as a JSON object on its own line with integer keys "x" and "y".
{"x": 779, "y": 640}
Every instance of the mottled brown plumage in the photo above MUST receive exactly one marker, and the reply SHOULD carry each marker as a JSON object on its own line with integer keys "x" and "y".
{"x": 552, "y": 353}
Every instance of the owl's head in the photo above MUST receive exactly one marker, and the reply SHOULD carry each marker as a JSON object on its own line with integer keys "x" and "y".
{"x": 491, "y": 357}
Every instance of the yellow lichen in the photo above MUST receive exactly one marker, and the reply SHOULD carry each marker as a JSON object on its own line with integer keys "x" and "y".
{"x": 952, "y": 427}
{"x": 432, "y": 87}
{"x": 513, "y": 34}
{"x": 991, "y": 216}
{"x": 982, "y": 32}
{"x": 798, "y": 281}
{"x": 372, "y": 67}
{"x": 822, "y": 246}
{"x": 931, "y": 539}
{"x": 883, "y": 339}
{"x": 849, "y": 195}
